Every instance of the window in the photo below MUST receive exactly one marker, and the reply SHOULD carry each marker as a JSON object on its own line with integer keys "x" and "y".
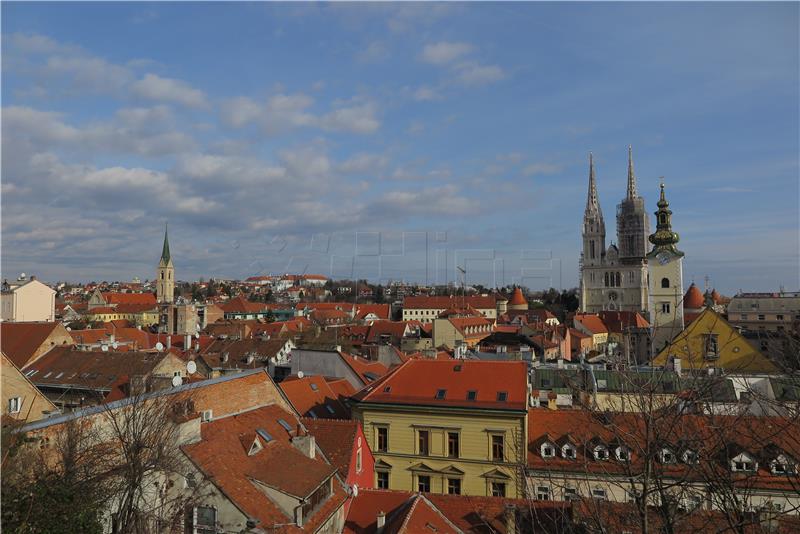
{"x": 424, "y": 483}
{"x": 623, "y": 454}
{"x": 779, "y": 317}
{"x": 548, "y": 451}
{"x": 441, "y": 394}
{"x": 472, "y": 395}
{"x": 285, "y": 425}
{"x": 189, "y": 481}
{"x": 570, "y": 494}
{"x": 14, "y": 405}
{"x": 314, "y": 387}
{"x": 424, "y": 442}
{"x": 542, "y": 493}
{"x": 454, "y": 486}
{"x": 205, "y": 519}
{"x": 383, "y": 479}
{"x": 497, "y": 448}
{"x": 600, "y": 453}
{"x": 743, "y": 317}
{"x": 383, "y": 438}
{"x": 665, "y": 283}
{"x": 358, "y": 460}
{"x": 689, "y": 457}
{"x": 568, "y": 451}
{"x": 711, "y": 345}
{"x": 744, "y": 464}
{"x": 599, "y": 493}
{"x": 591, "y": 249}
{"x": 502, "y": 396}
{"x": 330, "y": 409}
{"x": 667, "y": 457}
{"x": 453, "y": 444}
{"x": 665, "y": 307}
{"x": 498, "y": 489}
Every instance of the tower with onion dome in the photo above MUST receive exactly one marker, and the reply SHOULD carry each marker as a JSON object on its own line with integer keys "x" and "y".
{"x": 665, "y": 265}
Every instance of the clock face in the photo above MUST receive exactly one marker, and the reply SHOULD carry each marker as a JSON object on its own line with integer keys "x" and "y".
{"x": 663, "y": 258}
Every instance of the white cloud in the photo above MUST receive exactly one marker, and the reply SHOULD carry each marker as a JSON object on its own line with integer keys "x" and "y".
{"x": 425, "y": 93}
{"x": 359, "y": 119}
{"x": 540, "y": 168}
{"x": 444, "y": 52}
{"x": 363, "y": 163}
{"x": 239, "y": 111}
{"x": 91, "y": 73}
{"x": 470, "y": 73}
{"x": 154, "y": 87}
{"x": 375, "y": 52}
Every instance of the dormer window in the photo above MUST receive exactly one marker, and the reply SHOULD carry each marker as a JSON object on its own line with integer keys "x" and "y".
{"x": 568, "y": 451}
{"x": 548, "y": 450}
{"x": 743, "y": 463}
{"x": 690, "y": 457}
{"x": 600, "y": 453}
{"x": 666, "y": 456}
{"x": 623, "y": 453}
{"x": 783, "y": 465}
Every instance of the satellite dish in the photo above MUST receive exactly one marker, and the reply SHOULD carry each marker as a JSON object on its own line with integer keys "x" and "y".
{"x": 159, "y": 346}
{"x": 177, "y": 381}
{"x": 191, "y": 367}
{"x": 300, "y": 374}
{"x": 115, "y": 345}
{"x": 104, "y": 348}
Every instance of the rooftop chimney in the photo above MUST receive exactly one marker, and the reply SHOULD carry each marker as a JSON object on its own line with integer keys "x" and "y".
{"x": 509, "y": 519}
{"x": 305, "y": 443}
{"x": 380, "y": 521}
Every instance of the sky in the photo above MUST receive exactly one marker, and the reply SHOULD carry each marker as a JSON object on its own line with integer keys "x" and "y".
{"x": 394, "y": 141}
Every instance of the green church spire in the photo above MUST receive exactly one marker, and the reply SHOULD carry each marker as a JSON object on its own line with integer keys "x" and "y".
{"x": 165, "y": 256}
{"x": 664, "y": 238}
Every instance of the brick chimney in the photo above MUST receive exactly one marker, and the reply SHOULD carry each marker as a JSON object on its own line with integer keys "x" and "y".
{"x": 380, "y": 522}
{"x": 304, "y": 442}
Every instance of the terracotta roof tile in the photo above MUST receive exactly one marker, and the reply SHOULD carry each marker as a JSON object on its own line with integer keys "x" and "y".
{"x": 19, "y": 341}
{"x": 312, "y": 394}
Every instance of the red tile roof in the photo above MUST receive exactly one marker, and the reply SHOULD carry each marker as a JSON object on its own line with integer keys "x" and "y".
{"x": 278, "y": 464}
{"x": 336, "y": 438}
{"x": 313, "y": 394}
{"x": 693, "y": 299}
{"x": 517, "y": 299}
{"x": 618, "y": 321}
{"x": 417, "y": 381}
{"x": 148, "y": 299}
{"x": 445, "y": 302}
{"x": 592, "y": 322}
{"x": 367, "y": 370}
{"x": 19, "y": 341}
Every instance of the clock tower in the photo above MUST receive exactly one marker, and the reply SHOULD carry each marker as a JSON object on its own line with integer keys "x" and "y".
{"x": 665, "y": 265}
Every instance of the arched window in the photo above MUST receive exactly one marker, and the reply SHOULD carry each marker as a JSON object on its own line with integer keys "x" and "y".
{"x": 162, "y": 275}
{"x": 591, "y": 249}
{"x": 605, "y": 278}
{"x": 665, "y": 282}
{"x": 619, "y": 280}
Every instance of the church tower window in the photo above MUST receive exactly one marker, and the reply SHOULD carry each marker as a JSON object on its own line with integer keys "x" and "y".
{"x": 665, "y": 283}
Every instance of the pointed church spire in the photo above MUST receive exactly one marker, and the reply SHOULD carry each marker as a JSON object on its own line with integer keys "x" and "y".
{"x": 592, "y": 202}
{"x": 631, "y": 176}
{"x": 165, "y": 256}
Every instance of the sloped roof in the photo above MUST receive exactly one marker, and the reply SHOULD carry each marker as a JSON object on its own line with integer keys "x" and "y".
{"x": 278, "y": 465}
{"x": 147, "y": 299}
{"x": 592, "y": 322}
{"x": 517, "y": 298}
{"x": 313, "y": 394}
{"x": 417, "y": 381}
{"x": 19, "y": 341}
{"x": 336, "y": 438}
{"x": 693, "y": 299}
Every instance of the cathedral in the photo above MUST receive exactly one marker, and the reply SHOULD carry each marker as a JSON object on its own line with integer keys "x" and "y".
{"x": 629, "y": 275}
{"x": 615, "y": 278}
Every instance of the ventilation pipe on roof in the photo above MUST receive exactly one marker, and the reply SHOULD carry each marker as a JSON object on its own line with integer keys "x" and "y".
{"x": 380, "y": 521}
{"x": 187, "y": 344}
{"x": 169, "y": 341}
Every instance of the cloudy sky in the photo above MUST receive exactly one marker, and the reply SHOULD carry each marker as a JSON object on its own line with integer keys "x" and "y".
{"x": 393, "y": 141}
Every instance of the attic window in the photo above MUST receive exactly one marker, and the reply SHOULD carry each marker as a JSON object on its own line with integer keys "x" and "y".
{"x": 285, "y": 425}
{"x": 548, "y": 451}
{"x": 330, "y": 409}
{"x": 314, "y": 387}
{"x": 387, "y": 389}
{"x": 472, "y": 395}
{"x": 264, "y": 434}
{"x": 568, "y": 451}
{"x": 689, "y": 456}
{"x": 441, "y": 393}
{"x": 600, "y": 453}
{"x": 502, "y": 396}
{"x": 255, "y": 447}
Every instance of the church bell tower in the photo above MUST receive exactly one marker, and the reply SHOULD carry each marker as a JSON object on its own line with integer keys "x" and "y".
{"x": 165, "y": 276}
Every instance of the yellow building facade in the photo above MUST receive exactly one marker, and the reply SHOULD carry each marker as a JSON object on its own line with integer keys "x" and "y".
{"x": 452, "y": 427}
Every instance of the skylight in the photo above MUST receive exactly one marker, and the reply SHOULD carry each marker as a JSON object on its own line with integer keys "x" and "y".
{"x": 387, "y": 389}
{"x": 264, "y": 434}
{"x": 314, "y": 387}
{"x": 502, "y": 396}
{"x": 441, "y": 393}
{"x": 457, "y": 368}
{"x": 285, "y": 425}
{"x": 472, "y": 395}
{"x": 330, "y": 409}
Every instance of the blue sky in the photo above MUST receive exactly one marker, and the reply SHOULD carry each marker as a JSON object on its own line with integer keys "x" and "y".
{"x": 394, "y": 141}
